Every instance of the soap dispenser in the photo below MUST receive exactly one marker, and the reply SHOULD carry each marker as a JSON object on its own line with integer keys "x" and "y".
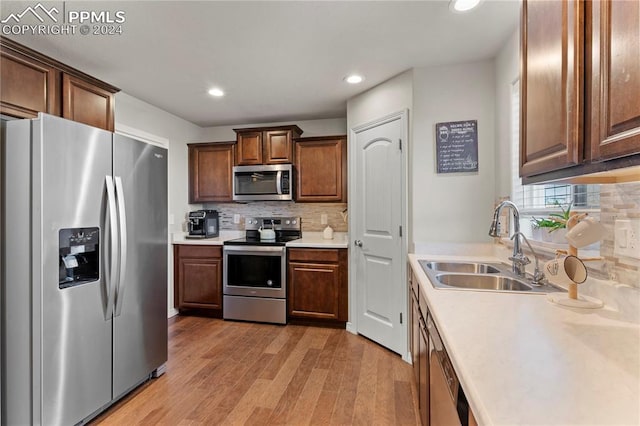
{"x": 327, "y": 234}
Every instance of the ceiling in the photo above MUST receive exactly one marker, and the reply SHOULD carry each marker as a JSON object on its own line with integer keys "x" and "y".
{"x": 276, "y": 61}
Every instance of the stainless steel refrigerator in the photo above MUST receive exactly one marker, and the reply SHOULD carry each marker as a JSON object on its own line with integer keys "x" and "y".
{"x": 85, "y": 269}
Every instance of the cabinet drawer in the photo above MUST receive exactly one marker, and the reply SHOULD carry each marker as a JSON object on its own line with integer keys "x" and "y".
{"x": 199, "y": 251}
{"x": 316, "y": 255}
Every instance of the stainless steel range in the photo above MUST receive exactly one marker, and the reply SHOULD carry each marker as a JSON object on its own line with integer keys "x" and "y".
{"x": 255, "y": 270}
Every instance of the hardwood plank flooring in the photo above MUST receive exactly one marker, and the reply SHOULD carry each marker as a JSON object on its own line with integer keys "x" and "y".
{"x": 235, "y": 373}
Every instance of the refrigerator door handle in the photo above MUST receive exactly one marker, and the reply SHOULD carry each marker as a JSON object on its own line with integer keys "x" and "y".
{"x": 123, "y": 245}
{"x": 112, "y": 278}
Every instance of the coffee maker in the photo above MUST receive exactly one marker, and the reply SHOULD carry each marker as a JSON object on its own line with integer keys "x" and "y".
{"x": 203, "y": 224}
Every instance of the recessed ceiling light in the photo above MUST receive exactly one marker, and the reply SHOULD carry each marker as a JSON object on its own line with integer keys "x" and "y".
{"x": 463, "y": 5}
{"x": 216, "y": 92}
{"x": 353, "y": 79}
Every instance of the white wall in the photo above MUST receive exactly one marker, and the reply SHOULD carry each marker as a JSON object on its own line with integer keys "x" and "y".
{"x": 507, "y": 71}
{"x": 140, "y": 115}
{"x": 391, "y": 96}
{"x": 453, "y": 208}
{"x": 324, "y": 127}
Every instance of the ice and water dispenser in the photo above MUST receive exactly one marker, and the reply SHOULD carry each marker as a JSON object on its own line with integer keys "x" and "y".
{"x": 79, "y": 251}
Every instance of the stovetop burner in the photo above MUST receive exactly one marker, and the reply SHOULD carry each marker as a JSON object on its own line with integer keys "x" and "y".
{"x": 286, "y": 229}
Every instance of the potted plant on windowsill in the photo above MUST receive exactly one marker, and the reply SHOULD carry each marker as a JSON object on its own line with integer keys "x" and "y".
{"x": 553, "y": 228}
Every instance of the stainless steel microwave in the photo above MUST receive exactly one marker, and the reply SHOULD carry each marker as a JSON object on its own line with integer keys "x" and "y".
{"x": 263, "y": 183}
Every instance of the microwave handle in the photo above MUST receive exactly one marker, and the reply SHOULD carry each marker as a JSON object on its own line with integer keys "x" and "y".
{"x": 279, "y": 182}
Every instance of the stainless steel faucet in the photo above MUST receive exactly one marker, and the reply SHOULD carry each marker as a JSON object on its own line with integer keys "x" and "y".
{"x": 538, "y": 276}
{"x": 518, "y": 259}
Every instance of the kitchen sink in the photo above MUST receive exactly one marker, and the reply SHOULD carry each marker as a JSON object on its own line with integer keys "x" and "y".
{"x": 483, "y": 282}
{"x": 480, "y": 276}
{"x": 464, "y": 267}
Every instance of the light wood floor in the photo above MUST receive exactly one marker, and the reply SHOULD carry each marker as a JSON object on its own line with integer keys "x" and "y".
{"x": 233, "y": 373}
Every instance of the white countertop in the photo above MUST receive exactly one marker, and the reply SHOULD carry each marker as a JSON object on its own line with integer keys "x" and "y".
{"x": 180, "y": 238}
{"x": 316, "y": 240}
{"x": 523, "y": 360}
{"x": 308, "y": 240}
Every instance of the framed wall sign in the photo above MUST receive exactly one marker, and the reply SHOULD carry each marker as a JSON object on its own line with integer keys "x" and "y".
{"x": 457, "y": 146}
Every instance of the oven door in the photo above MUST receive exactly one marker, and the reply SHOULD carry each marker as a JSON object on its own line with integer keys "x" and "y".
{"x": 258, "y": 271}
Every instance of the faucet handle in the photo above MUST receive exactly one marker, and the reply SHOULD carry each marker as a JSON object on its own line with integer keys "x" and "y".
{"x": 520, "y": 259}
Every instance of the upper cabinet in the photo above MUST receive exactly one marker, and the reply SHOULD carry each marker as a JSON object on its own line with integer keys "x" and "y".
{"x": 551, "y": 82}
{"x": 614, "y": 69}
{"x": 321, "y": 169}
{"x": 33, "y": 83}
{"x": 266, "y": 145}
{"x": 27, "y": 86}
{"x": 580, "y": 80}
{"x": 87, "y": 103}
{"x": 211, "y": 172}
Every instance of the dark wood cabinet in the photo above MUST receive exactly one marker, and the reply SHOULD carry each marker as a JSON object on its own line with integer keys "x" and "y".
{"x": 198, "y": 277}
{"x": 423, "y": 382}
{"x": 321, "y": 169}
{"x": 614, "y": 75}
{"x": 266, "y": 145}
{"x": 27, "y": 86}
{"x": 580, "y": 79}
{"x": 211, "y": 172}
{"x": 278, "y": 145}
{"x": 87, "y": 103}
{"x": 419, "y": 346}
{"x": 415, "y": 328}
{"x": 318, "y": 284}
{"x": 551, "y": 86}
{"x": 249, "y": 148}
{"x": 33, "y": 83}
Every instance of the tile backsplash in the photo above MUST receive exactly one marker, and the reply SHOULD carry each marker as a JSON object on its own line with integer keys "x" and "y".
{"x": 618, "y": 201}
{"x": 309, "y": 212}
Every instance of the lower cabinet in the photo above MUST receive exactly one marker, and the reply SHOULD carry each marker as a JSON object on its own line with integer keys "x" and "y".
{"x": 423, "y": 367}
{"x": 317, "y": 287}
{"x": 415, "y": 326}
{"x": 198, "y": 277}
{"x": 435, "y": 402}
{"x": 419, "y": 348}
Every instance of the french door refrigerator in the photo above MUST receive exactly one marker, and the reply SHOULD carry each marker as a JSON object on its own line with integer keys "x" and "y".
{"x": 85, "y": 269}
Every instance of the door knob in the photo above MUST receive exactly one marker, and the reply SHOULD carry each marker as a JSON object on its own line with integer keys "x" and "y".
{"x": 358, "y": 243}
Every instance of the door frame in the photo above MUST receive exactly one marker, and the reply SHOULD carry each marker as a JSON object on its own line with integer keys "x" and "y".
{"x": 352, "y": 324}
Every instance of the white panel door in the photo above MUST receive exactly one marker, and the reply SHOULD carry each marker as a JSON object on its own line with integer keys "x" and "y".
{"x": 377, "y": 209}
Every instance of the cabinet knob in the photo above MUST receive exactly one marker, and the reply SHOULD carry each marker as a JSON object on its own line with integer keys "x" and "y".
{"x": 358, "y": 243}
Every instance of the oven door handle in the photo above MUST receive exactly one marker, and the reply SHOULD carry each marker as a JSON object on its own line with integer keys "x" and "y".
{"x": 276, "y": 250}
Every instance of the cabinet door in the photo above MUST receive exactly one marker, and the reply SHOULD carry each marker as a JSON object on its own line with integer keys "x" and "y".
{"x": 551, "y": 135}
{"x": 87, "y": 103}
{"x": 249, "y": 148}
{"x": 211, "y": 172}
{"x": 277, "y": 147}
{"x": 321, "y": 169}
{"x": 199, "y": 283}
{"x": 423, "y": 383}
{"x": 314, "y": 290}
{"x": 415, "y": 337}
{"x": 27, "y": 86}
{"x": 614, "y": 73}
{"x": 197, "y": 277}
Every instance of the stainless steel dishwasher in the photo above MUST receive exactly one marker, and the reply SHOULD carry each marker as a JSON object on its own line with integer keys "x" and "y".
{"x": 447, "y": 402}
